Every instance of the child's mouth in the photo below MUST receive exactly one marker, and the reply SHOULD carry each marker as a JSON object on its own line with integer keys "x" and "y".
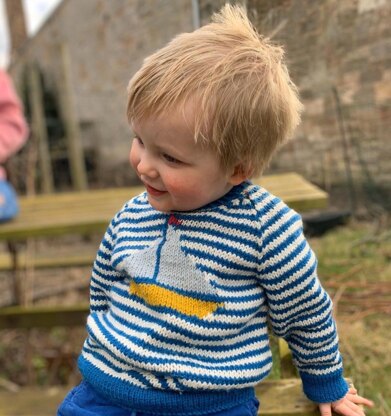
{"x": 153, "y": 191}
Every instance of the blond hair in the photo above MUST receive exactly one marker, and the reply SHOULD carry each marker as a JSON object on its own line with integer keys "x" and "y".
{"x": 247, "y": 105}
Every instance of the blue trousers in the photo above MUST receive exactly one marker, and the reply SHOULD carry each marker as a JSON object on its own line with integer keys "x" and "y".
{"x": 8, "y": 201}
{"x": 84, "y": 401}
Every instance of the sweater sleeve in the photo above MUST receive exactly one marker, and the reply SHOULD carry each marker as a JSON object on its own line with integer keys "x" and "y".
{"x": 300, "y": 311}
{"x": 103, "y": 273}
{"x": 13, "y": 127}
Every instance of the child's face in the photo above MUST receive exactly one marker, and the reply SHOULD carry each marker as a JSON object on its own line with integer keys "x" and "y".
{"x": 178, "y": 174}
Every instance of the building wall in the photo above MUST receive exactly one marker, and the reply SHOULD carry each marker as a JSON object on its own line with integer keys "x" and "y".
{"x": 338, "y": 51}
{"x": 339, "y": 55}
{"x": 107, "y": 41}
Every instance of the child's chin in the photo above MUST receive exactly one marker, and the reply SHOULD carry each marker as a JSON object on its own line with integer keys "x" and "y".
{"x": 159, "y": 206}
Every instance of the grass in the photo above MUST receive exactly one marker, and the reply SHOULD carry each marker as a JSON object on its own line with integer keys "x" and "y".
{"x": 359, "y": 246}
{"x": 355, "y": 267}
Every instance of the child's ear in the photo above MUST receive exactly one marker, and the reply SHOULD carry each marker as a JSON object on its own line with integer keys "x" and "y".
{"x": 240, "y": 173}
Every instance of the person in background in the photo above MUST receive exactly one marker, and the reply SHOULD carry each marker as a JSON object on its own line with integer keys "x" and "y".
{"x": 13, "y": 134}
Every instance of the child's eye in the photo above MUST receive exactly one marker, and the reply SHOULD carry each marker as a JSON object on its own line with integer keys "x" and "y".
{"x": 139, "y": 140}
{"x": 170, "y": 159}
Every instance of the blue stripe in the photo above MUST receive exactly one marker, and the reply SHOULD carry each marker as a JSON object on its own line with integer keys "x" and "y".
{"x": 287, "y": 322}
{"x": 132, "y": 373}
{"x": 235, "y": 238}
{"x": 219, "y": 260}
{"x": 138, "y": 238}
{"x": 187, "y": 358}
{"x": 178, "y": 328}
{"x": 142, "y": 216}
{"x": 145, "y": 229}
{"x": 210, "y": 359}
{"x": 244, "y": 225}
{"x": 231, "y": 288}
{"x": 297, "y": 266}
{"x": 207, "y": 346}
{"x": 107, "y": 277}
{"x": 210, "y": 218}
{"x": 228, "y": 249}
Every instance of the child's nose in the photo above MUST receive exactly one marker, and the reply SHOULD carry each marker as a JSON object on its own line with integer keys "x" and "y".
{"x": 147, "y": 167}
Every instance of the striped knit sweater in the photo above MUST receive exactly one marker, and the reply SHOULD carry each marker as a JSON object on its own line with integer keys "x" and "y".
{"x": 180, "y": 305}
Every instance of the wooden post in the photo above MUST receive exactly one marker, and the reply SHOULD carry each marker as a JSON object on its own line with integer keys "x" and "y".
{"x": 16, "y": 24}
{"x": 39, "y": 129}
{"x": 288, "y": 370}
{"x": 72, "y": 130}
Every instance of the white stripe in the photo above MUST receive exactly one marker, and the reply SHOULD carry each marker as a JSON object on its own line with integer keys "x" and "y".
{"x": 222, "y": 255}
{"x": 298, "y": 300}
{"x": 232, "y": 352}
{"x": 229, "y": 340}
{"x": 321, "y": 372}
{"x": 298, "y": 320}
{"x": 108, "y": 370}
{"x": 286, "y": 271}
{"x": 280, "y": 240}
{"x": 166, "y": 368}
{"x": 227, "y": 354}
{"x": 276, "y": 226}
{"x": 307, "y": 352}
{"x": 319, "y": 334}
{"x": 232, "y": 341}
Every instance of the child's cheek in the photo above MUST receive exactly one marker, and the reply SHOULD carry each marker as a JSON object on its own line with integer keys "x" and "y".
{"x": 133, "y": 157}
{"x": 179, "y": 186}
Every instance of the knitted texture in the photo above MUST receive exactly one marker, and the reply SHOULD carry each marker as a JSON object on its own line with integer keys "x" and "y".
{"x": 180, "y": 304}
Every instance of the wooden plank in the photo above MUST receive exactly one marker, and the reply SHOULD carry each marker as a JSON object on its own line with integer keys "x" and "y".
{"x": 294, "y": 190}
{"x": 39, "y": 129}
{"x": 288, "y": 370}
{"x": 71, "y": 121}
{"x": 43, "y": 262}
{"x": 284, "y": 398}
{"x": 59, "y": 214}
{"x": 43, "y": 316}
{"x": 278, "y": 398}
{"x": 32, "y": 401}
{"x": 89, "y": 211}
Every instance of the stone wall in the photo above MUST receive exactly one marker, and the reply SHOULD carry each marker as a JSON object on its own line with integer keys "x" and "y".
{"x": 339, "y": 55}
{"x": 107, "y": 41}
{"x": 338, "y": 52}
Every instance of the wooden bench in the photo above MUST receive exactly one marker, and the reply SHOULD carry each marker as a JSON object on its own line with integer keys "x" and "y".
{"x": 283, "y": 397}
{"x": 87, "y": 212}
{"x": 90, "y": 211}
{"x": 278, "y": 398}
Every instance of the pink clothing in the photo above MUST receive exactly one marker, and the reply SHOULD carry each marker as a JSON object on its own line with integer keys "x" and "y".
{"x": 13, "y": 127}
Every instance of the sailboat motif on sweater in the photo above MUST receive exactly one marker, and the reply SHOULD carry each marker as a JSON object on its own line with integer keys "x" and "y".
{"x": 163, "y": 276}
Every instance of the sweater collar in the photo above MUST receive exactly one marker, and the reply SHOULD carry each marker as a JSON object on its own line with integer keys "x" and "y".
{"x": 234, "y": 194}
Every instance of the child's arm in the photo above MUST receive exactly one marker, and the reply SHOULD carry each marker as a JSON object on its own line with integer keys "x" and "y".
{"x": 300, "y": 311}
{"x": 13, "y": 127}
{"x": 350, "y": 405}
{"x": 103, "y": 274}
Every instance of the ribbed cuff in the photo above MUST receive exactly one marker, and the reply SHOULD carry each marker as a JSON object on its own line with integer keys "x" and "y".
{"x": 321, "y": 389}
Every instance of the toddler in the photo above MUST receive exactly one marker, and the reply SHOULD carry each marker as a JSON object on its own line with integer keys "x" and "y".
{"x": 189, "y": 273}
